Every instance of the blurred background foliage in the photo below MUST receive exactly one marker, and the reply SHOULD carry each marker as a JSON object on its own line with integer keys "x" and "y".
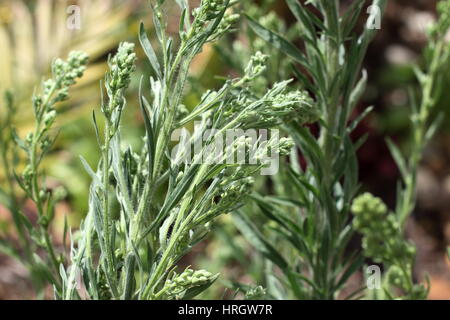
{"x": 34, "y": 32}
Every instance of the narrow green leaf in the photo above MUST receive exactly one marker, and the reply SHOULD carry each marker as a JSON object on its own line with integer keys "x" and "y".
{"x": 149, "y": 131}
{"x": 91, "y": 172}
{"x": 148, "y": 49}
{"x": 434, "y": 127}
{"x": 399, "y": 160}
{"x": 358, "y": 120}
{"x": 301, "y": 14}
{"x": 130, "y": 262}
{"x": 358, "y": 91}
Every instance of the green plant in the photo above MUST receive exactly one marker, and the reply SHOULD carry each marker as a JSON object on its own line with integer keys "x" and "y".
{"x": 36, "y": 146}
{"x": 32, "y": 34}
{"x": 309, "y": 212}
{"x": 234, "y": 52}
{"x": 317, "y": 226}
{"x": 147, "y": 208}
{"x": 397, "y": 254}
{"x": 164, "y": 203}
{"x": 150, "y": 205}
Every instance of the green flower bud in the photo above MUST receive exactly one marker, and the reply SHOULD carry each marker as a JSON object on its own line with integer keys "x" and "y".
{"x": 49, "y": 118}
{"x": 176, "y": 286}
{"x": 122, "y": 65}
{"x": 256, "y": 66}
{"x": 285, "y": 146}
{"x": 255, "y": 293}
{"x": 29, "y": 138}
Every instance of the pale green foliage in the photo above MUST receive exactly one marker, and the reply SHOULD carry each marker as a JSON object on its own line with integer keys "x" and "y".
{"x": 423, "y": 125}
{"x": 393, "y": 250}
{"x": 148, "y": 207}
{"x": 326, "y": 188}
{"x": 121, "y": 67}
{"x": 146, "y": 210}
{"x": 277, "y": 106}
{"x": 36, "y": 145}
{"x": 441, "y": 27}
{"x": 165, "y": 204}
{"x": 383, "y": 241}
{"x": 182, "y": 285}
{"x": 255, "y": 293}
{"x": 308, "y": 233}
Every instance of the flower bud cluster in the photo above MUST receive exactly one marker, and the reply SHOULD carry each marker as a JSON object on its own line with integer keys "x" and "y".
{"x": 382, "y": 238}
{"x": 122, "y": 66}
{"x": 65, "y": 74}
{"x": 397, "y": 278}
{"x": 225, "y": 25}
{"x": 176, "y": 286}
{"x": 234, "y": 185}
{"x": 383, "y": 242}
{"x": 72, "y": 69}
{"x": 442, "y": 26}
{"x": 285, "y": 146}
{"x": 208, "y": 10}
{"x": 256, "y": 66}
{"x": 278, "y": 106}
{"x": 234, "y": 191}
{"x": 255, "y": 293}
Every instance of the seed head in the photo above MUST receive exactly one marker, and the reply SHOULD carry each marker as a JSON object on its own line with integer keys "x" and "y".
{"x": 442, "y": 26}
{"x": 256, "y": 66}
{"x": 285, "y": 146}
{"x": 49, "y": 118}
{"x": 68, "y": 71}
{"x": 382, "y": 239}
{"x": 122, "y": 66}
{"x": 186, "y": 280}
{"x": 255, "y": 293}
